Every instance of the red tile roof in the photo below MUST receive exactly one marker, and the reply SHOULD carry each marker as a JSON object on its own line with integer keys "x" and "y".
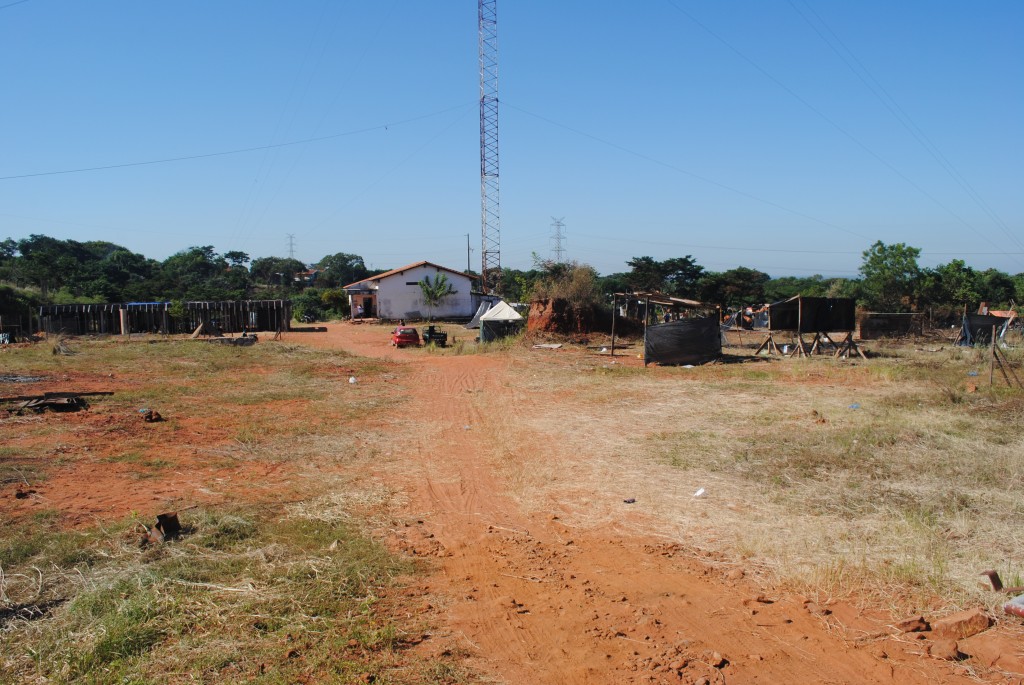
{"x": 408, "y": 267}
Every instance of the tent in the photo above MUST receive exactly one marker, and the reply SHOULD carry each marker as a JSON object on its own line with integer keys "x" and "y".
{"x": 500, "y": 321}
{"x": 480, "y": 311}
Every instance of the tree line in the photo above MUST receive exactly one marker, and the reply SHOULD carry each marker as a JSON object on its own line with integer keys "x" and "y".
{"x": 42, "y": 270}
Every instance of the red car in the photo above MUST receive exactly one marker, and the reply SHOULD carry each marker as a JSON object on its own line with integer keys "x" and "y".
{"x": 404, "y": 335}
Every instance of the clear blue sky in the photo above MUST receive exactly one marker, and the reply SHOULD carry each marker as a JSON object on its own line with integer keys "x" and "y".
{"x": 783, "y": 135}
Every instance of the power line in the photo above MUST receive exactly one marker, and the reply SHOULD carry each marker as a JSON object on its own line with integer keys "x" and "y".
{"x": 237, "y": 151}
{"x": 894, "y": 108}
{"x": 12, "y": 4}
{"x": 828, "y": 120}
{"x": 685, "y": 172}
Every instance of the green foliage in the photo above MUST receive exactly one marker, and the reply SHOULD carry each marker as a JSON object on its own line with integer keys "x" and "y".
{"x": 516, "y": 285}
{"x": 734, "y": 288}
{"x": 788, "y": 286}
{"x": 678, "y": 276}
{"x": 435, "y": 292}
{"x": 341, "y": 269}
{"x": 139, "y": 615}
{"x": 308, "y": 303}
{"x": 199, "y": 273}
{"x": 276, "y": 271}
{"x": 16, "y": 303}
{"x": 573, "y": 282}
{"x": 72, "y": 272}
{"x": 890, "y": 276}
{"x": 335, "y": 300}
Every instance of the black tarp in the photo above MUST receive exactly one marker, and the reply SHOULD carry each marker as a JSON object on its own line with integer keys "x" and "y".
{"x": 875, "y": 325}
{"x": 686, "y": 341}
{"x": 813, "y": 314}
{"x": 977, "y": 329}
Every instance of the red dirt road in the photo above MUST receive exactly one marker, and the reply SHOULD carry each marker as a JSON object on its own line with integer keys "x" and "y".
{"x": 538, "y": 597}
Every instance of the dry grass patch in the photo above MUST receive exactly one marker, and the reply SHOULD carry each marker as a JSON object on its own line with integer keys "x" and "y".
{"x": 849, "y": 476}
{"x": 284, "y": 584}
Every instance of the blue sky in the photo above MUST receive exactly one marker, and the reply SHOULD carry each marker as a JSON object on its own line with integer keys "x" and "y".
{"x": 782, "y": 135}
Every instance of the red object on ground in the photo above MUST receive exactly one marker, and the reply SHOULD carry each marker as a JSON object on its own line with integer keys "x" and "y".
{"x": 405, "y": 335}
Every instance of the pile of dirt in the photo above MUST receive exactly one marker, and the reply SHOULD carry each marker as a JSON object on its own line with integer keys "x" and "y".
{"x": 565, "y": 318}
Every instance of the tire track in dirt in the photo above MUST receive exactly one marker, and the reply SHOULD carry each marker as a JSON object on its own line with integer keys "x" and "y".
{"x": 530, "y": 598}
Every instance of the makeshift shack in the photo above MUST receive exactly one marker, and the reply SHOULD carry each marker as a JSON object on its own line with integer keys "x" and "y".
{"x": 688, "y": 332}
{"x": 500, "y": 321}
{"x": 873, "y": 325}
{"x": 978, "y": 329}
{"x": 695, "y": 340}
{"x": 819, "y": 316}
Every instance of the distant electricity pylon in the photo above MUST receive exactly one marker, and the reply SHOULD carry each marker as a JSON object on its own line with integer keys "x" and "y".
{"x": 557, "y": 249}
{"x": 291, "y": 246}
{"x": 490, "y": 222}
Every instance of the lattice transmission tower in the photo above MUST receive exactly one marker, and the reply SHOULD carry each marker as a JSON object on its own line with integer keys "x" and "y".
{"x": 490, "y": 220}
{"x": 557, "y": 248}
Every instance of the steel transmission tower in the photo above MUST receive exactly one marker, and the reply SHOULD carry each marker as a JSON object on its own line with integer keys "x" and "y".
{"x": 490, "y": 222}
{"x": 557, "y": 238}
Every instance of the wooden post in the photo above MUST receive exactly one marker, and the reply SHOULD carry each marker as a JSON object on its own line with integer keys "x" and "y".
{"x": 992, "y": 361}
{"x": 615, "y": 314}
{"x": 647, "y": 315}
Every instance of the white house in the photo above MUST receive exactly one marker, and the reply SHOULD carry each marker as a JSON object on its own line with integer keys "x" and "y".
{"x": 396, "y": 294}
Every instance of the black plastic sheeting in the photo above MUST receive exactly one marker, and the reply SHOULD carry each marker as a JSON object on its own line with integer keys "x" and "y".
{"x": 813, "y": 314}
{"x": 491, "y": 330}
{"x": 686, "y": 341}
{"x": 977, "y": 329}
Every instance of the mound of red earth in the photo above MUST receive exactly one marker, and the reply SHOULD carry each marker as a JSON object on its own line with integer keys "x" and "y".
{"x": 560, "y": 316}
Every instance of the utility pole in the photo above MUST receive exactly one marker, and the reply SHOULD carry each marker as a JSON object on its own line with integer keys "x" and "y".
{"x": 291, "y": 246}
{"x": 468, "y": 250}
{"x": 558, "y": 250}
{"x": 490, "y": 223}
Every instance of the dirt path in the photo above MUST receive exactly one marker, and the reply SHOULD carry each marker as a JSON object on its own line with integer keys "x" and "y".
{"x": 529, "y": 597}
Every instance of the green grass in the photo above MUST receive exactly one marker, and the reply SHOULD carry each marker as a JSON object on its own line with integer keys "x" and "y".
{"x": 247, "y": 594}
{"x": 239, "y": 590}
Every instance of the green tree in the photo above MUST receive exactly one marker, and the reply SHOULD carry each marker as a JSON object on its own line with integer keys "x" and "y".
{"x": 786, "y": 287}
{"x": 435, "y": 292}
{"x": 341, "y": 269}
{"x": 614, "y": 283}
{"x": 236, "y": 259}
{"x": 308, "y": 303}
{"x": 677, "y": 276}
{"x": 335, "y": 300}
{"x": 734, "y": 288}
{"x": 682, "y": 276}
{"x": 578, "y": 284}
{"x": 276, "y": 271}
{"x": 958, "y": 282}
{"x": 517, "y": 285}
{"x": 890, "y": 277}
{"x": 199, "y": 273}
{"x": 996, "y": 287}
{"x": 646, "y": 274}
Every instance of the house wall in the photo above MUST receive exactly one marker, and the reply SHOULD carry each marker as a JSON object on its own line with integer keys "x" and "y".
{"x": 400, "y": 297}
